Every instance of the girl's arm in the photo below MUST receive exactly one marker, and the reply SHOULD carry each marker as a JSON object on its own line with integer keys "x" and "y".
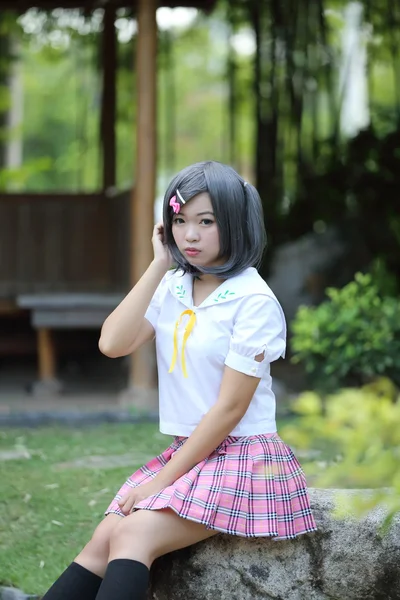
{"x": 126, "y": 328}
{"x": 237, "y": 390}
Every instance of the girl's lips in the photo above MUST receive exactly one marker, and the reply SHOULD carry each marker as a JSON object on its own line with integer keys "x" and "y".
{"x": 192, "y": 252}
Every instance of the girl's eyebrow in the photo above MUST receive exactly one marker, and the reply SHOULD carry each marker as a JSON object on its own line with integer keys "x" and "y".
{"x": 205, "y": 212}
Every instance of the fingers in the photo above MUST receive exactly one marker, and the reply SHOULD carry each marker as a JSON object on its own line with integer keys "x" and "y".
{"x": 126, "y": 503}
{"x": 158, "y": 230}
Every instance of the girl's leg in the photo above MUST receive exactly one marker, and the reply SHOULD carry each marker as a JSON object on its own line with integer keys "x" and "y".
{"x": 136, "y": 542}
{"x": 82, "y": 579}
{"x": 94, "y": 556}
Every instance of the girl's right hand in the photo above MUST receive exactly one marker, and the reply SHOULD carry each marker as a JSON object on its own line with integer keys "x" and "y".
{"x": 161, "y": 252}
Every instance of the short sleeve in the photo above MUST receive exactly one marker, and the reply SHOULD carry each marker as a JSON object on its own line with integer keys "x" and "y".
{"x": 259, "y": 329}
{"x": 154, "y": 307}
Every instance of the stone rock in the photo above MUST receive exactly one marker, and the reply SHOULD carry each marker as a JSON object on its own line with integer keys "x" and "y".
{"x": 300, "y": 268}
{"x": 47, "y": 388}
{"x": 8, "y": 593}
{"x": 346, "y": 559}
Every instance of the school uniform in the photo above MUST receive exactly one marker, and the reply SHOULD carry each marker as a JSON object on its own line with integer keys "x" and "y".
{"x": 251, "y": 485}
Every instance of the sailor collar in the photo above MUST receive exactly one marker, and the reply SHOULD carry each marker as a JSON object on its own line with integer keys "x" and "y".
{"x": 246, "y": 283}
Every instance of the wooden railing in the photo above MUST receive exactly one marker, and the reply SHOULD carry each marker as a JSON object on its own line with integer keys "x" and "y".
{"x": 63, "y": 242}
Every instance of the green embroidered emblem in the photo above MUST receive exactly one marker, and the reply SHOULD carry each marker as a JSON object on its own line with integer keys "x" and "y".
{"x": 180, "y": 291}
{"x": 223, "y": 295}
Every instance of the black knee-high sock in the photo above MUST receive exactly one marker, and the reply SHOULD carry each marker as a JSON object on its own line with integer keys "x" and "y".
{"x": 125, "y": 579}
{"x": 76, "y": 583}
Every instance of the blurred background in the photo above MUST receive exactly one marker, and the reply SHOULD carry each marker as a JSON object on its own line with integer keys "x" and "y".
{"x": 101, "y": 103}
{"x": 301, "y": 97}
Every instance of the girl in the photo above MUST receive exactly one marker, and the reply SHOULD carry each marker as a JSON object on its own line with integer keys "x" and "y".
{"x": 218, "y": 326}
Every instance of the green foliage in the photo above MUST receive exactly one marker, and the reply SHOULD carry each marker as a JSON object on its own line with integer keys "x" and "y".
{"x": 193, "y": 115}
{"x": 351, "y": 338}
{"x": 18, "y": 178}
{"x": 362, "y": 429}
{"x": 49, "y": 510}
{"x": 58, "y": 57}
{"x": 61, "y": 121}
{"x": 384, "y": 280}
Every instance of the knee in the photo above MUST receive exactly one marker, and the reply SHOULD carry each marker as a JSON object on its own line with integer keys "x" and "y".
{"x": 134, "y": 533}
{"x": 99, "y": 544}
{"x": 125, "y": 530}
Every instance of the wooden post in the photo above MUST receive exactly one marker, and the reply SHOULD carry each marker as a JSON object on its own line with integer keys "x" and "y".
{"x": 142, "y": 201}
{"x": 47, "y": 384}
{"x": 46, "y": 353}
{"x": 109, "y": 98}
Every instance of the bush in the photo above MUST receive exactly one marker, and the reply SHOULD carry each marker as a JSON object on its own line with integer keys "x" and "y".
{"x": 351, "y": 338}
{"x": 361, "y": 429}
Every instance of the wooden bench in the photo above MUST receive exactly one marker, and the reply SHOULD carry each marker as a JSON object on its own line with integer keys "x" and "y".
{"x": 12, "y": 341}
{"x": 62, "y": 311}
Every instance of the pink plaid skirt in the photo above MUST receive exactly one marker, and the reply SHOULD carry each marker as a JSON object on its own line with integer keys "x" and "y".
{"x": 249, "y": 486}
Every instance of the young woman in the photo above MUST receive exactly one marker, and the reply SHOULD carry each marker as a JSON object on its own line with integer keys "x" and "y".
{"x": 217, "y": 326}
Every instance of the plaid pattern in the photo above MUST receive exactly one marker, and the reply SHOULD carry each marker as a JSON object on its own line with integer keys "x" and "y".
{"x": 249, "y": 486}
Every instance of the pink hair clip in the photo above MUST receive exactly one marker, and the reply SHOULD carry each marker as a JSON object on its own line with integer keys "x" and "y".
{"x": 176, "y": 207}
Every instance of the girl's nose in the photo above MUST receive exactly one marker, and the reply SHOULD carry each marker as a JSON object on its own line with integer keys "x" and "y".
{"x": 192, "y": 235}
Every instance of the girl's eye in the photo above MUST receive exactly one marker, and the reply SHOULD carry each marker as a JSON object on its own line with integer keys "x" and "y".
{"x": 207, "y": 221}
{"x": 177, "y": 221}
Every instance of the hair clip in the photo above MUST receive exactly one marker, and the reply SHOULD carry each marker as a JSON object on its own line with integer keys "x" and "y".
{"x": 244, "y": 184}
{"x": 180, "y": 196}
{"x": 176, "y": 207}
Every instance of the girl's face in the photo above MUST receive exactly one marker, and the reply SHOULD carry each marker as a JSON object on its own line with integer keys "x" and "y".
{"x": 196, "y": 233}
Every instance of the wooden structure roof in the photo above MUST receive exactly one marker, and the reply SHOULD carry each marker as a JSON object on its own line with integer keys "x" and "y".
{"x": 22, "y": 5}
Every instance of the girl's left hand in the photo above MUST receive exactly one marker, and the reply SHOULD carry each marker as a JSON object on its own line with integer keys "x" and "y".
{"x": 137, "y": 494}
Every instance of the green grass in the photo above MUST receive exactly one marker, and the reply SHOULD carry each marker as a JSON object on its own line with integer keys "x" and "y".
{"x": 48, "y": 514}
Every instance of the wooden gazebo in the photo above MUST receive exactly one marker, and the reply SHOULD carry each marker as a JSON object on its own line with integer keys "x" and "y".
{"x": 68, "y": 257}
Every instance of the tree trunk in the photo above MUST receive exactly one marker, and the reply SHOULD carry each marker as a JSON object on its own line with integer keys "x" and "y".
{"x": 232, "y": 87}
{"x": 267, "y": 113}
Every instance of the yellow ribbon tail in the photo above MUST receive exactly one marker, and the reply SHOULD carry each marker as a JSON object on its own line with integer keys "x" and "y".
{"x": 175, "y": 352}
{"x": 188, "y": 331}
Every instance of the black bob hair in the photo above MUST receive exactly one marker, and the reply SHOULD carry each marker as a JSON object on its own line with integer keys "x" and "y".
{"x": 238, "y": 213}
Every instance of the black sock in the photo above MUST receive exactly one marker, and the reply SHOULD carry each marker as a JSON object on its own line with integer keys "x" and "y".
{"x": 76, "y": 583}
{"x": 125, "y": 579}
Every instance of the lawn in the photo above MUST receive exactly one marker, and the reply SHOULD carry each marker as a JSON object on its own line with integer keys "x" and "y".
{"x": 49, "y": 508}
{"x": 48, "y": 512}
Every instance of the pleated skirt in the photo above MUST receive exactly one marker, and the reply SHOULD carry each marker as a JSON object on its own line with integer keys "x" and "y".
{"x": 249, "y": 486}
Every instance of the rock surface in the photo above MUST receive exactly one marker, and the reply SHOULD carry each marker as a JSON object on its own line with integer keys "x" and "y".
{"x": 345, "y": 560}
{"x": 7, "y": 593}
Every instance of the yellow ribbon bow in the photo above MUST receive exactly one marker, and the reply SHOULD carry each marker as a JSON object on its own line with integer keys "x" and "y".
{"x": 188, "y": 331}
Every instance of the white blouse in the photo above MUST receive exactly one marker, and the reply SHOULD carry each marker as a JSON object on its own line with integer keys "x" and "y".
{"x": 240, "y": 320}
